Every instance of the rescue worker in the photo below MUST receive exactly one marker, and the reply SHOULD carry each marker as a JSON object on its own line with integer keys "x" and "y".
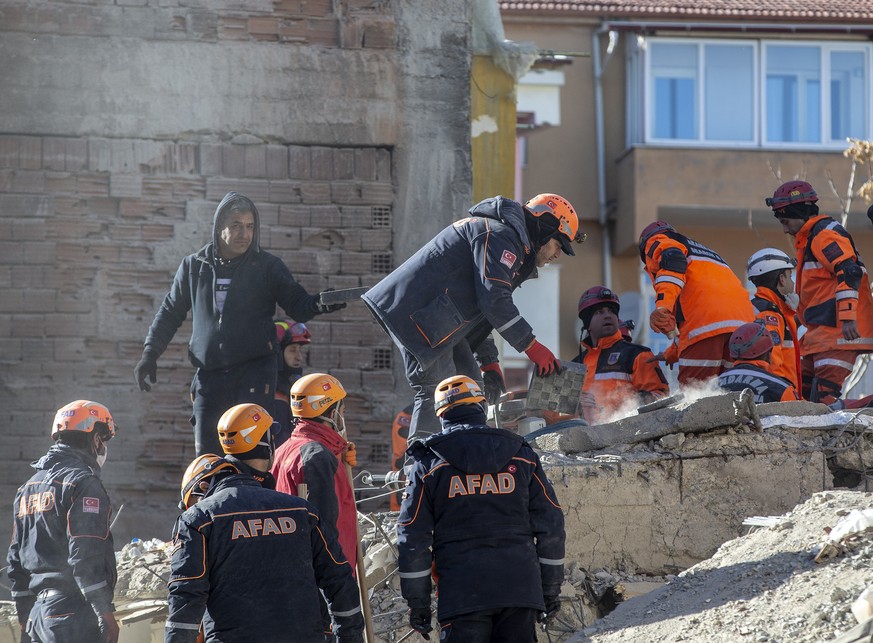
{"x": 249, "y": 562}
{"x": 480, "y": 511}
{"x": 775, "y": 303}
{"x": 618, "y": 372}
{"x": 399, "y": 435}
{"x": 835, "y": 301}
{"x": 232, "y": 287}
{"x": 250, "y": 453}
{"x": 313, "y": 459}
{"x": 751, "y": 346}
{"x": 291, "y": 337}
{"x": 697, "y": 296}
{"x": 441, "y": 303}
{"x": 61, "y": 559}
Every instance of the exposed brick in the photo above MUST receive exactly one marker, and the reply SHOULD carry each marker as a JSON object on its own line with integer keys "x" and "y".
{"x": 125, "y": 185}
{"x": 54, "y": 151}
{"x": 256, "y": 160}
{"x": 6, "y": 324}
{"x": 233, "y": 160}
{"x": 344, "y": 164}
{"x": 62, "y": 325}
{"x": 156, "y": 187}
{"x": 322, "y": 163}
{"x": 39, "y": 252}
{"x": 314, "y": 192}
{"x": 356, "y": 357}
{"x": 10, "y": 349}
{"x": 299, "y": 162}
{"x": 210, "y": 159}
{"x": 294, "y": 216}
{"x": 122, "y": 157}
{"x": 365, "y": 164}
{"x": 60, "y": 183}
{"x": 317, "y": 8}
{"x": 355, "y": 263}
{"x": 378, "y": 239}
{"x": 11, "y": 299}
{"x": 347, "y": 192}
{"x": 27, "y": 181}
{"x": 185, "y": 158}
{"x": 323, "y": 31}
{"x": 350, "y": 377}
{"x": 356, "y": 216}
{"x": 276, "y": 162}
{"x": 326, "y": 216}
{"x": 285, "y": 192}
{"x": 27, "y": 325}
{"x": 30, "y": 153}
{"x": 92, "y": 184}
{"x": 301, "y": 262}
{"x": 268, "y": 214}
{"x": 258, "y": 190}
{"x": 263, "y": 26}
{"x": 379, "y": 32}
{"x": 194, "y": 187}
{"x": 38, "y": 300}
{"x": 102, "y": 207}
{"x": 9, "y": 146}
{"x": 284, "y": 239}
{"x": 76, "y": 156}
{"x": 291, "y": 30}
{"x": 71, "y": 349}
{"x": 377, "y": 193}
{"x": 99, "y": 155}
{"x": 383, "y": 164}
{"x": 156, "y": 232}
{"x": 377, "y": 380}
{"x": 231, "y": 28}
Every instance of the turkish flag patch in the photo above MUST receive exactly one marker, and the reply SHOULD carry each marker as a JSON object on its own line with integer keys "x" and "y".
{"x": 508, "y": 259}
{"x": 325, "y": 386}
{"x": 91, "y": 505}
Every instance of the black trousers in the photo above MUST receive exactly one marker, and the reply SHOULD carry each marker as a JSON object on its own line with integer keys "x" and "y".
{"x": 213, "y": 392}
{"x": 61, "y": 619}
{"x": 501, "y": 625}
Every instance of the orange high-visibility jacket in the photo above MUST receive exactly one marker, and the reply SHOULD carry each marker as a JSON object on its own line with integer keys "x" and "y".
{"x": 826, "y": 300}
{"x": 778, "y": 317}
{"x": 708, "y": 299}
{"x": 618, "y": 374}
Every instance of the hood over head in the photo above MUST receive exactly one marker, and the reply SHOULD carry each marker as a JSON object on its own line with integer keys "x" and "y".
{"x": 506, "y": 211}
{"x": 475, "y": 449}
{"x": 236, "y": 200}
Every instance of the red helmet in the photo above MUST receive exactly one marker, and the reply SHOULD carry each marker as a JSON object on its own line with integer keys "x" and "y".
{"x": 290, "y": 332}
{"x": 791, "y": 192}
{"x": 651, "y": 230}
{"x": 563, "y": 211}
{"x": 594, "y": 298}
{"x": 750, "y": 341}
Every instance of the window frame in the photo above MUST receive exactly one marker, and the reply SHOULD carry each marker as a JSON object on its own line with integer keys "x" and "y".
{"x": 646, "y": 87}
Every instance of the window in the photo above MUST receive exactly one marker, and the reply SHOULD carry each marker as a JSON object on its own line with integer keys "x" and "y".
{"x": 751, "y": 92}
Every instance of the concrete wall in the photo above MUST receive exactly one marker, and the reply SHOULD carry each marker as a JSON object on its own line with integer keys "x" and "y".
{"x": 122, "y": 124}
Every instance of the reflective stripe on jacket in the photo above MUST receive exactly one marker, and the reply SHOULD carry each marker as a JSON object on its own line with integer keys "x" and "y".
{"x": 707, "y": 299}
{"x": 779, "y": 319}
{"x": 619, "y": 374}
{"x": 822, "y": 245}
{"x": 753, "y": 374}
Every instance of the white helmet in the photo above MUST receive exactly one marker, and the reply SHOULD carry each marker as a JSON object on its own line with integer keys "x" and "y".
{"x": 768, "y": 260}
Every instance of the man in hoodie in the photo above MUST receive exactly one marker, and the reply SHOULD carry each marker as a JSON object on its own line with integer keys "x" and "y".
{"x": 480, "y": 513}
{"x": 61, "y": 559}
{"x": 442, "y": 302}
{"x": 232, "y": 287}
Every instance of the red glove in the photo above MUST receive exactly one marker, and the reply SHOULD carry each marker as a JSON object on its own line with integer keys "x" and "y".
{"x": 545, "y": 360}
{"x": 662, "y": 321}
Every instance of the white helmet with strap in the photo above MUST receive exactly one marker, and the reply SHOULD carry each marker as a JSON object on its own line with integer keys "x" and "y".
{"x": 768, "y": 260}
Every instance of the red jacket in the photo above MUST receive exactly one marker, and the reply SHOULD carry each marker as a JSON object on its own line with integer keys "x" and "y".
{"x": 779, "y": 319}
{"x": 313, "y": 455}
{"x": 826, "y": 298}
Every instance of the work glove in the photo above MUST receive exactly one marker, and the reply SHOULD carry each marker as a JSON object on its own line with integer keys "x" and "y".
{"x": 545, "y": 360}
{"x": 419, "y": 620}
{"x": 553, "y": 606}
{"x": 146, "y": 367}
{"x": 495, "y": 385}
{"x": 108, "y": 628}
{"x": 350, "y": 455}
{"x": 327, "y": 308}
{"x": 662, "y": 321}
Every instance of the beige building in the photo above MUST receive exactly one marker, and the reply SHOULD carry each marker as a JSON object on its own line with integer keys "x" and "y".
{"x": 691, "y": 112}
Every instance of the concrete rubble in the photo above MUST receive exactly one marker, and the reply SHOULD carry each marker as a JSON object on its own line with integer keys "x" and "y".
{"x": 648, "y": 500}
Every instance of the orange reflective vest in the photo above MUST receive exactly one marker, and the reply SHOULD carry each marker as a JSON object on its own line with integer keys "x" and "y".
{"x": 707, "y": 299}
{"x": 826, "y": 299}
{"x": 778, "y": 317}
{"x": 619, "y": 374}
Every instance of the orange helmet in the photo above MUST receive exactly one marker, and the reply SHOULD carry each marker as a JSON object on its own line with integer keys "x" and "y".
{"x": 563, "y": 211}
{"x": 313, "y": 394}
{"x": 243, "y": 427}
{"x": 84, "y": 416}
{"x": 455, "y": 390}
{"x": 201, "y": 468}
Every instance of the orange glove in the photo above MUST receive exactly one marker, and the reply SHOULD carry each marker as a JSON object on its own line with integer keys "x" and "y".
{"x": 350, "y": 455}
{"x": 662, "y": 321}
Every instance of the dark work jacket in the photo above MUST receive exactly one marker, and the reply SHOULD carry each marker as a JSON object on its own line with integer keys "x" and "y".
{"x": 244, "y": 330}
{"x": 458, "y": 286}
{"x": 753, "y": 374}
{"x": 61, "y": 537}
{"x": 480, "y": 508}
{"x": 254, "y": 559}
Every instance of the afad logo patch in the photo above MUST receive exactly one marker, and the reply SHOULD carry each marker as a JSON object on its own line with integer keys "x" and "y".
{"x": 508, "y": 259}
